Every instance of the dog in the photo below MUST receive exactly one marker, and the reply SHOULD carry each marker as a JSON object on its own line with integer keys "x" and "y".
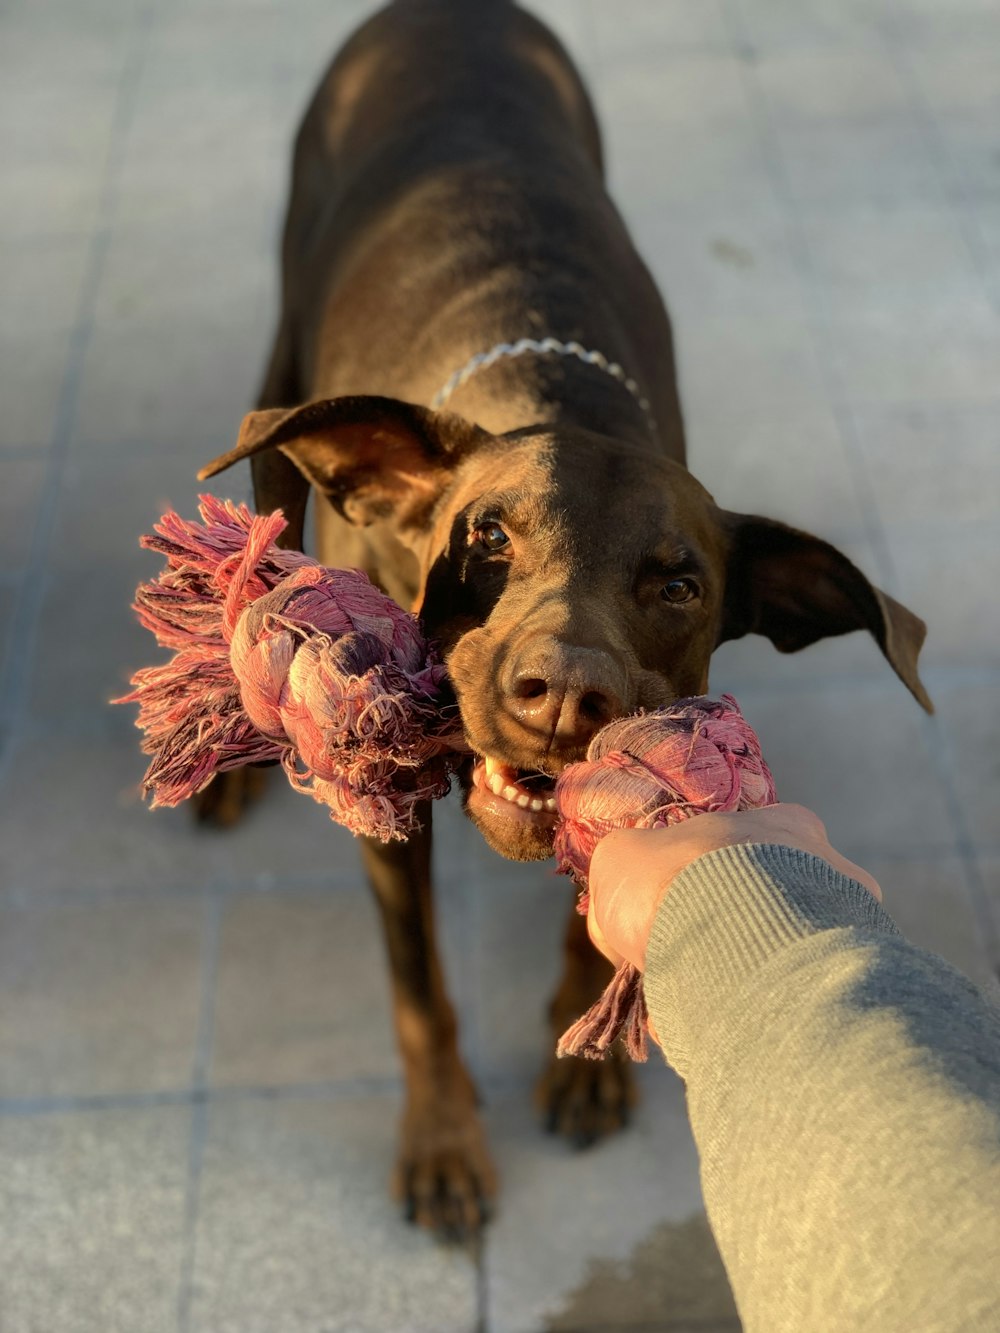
{"x": 473, "y": 375}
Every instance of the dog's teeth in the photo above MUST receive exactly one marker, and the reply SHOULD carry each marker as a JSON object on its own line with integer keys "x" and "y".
{"x": 495, "y": 783}
{"x": 536, "y": 804}
{"x": 524, "y": 800}
{"x": 550, "y": 804}
{"x": 510, "y": 793}
{"x": 492, "y": 766}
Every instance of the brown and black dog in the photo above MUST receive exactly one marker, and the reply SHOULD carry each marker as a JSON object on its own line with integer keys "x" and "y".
{"x": 447, "y": 202}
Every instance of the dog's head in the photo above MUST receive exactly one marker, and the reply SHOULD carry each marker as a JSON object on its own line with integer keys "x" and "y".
{"x": 569, "y": 578}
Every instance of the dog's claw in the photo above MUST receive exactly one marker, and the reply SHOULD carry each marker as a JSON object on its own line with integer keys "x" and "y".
{"x": 586, "y": 1100}
{"x": 445, "y": 1178}
{"x": 454, "y": 1209}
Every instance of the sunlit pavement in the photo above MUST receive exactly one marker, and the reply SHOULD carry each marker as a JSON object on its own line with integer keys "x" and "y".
{"x": 198, "y": 1082}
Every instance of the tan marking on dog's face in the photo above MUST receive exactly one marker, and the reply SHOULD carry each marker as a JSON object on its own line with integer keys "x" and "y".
{"x": 568, "y": 542}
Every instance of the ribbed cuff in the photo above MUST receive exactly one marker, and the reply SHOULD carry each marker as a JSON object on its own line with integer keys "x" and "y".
{"x": 727, "y": 915}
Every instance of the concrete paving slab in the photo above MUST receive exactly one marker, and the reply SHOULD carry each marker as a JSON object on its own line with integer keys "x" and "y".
{"x": 566, "y": 1215}
{"x": 92, "y": 1219}
{"x": 23, "y": 480}
{"x": 284, "y": 842}
{"x": 844, "y": 130}
{"x": 99, "y": 999}
{"x": 925, "y": 24}
{"x": 166, "y": 382}
{"x": 902, "y": 258}
{"x": 930, "y": 902}
{"x": 843, "y": 751}
{"x": 784, "y": 463}
{"x": 207, "y": 84}
{"x": 933, "y": 463}
{"x": 753, "y": 663}
{"x": 175, "y": 273}
{"x": 84, "y": 44}
{"x": 969, "y": 732}
{"x": 777, "y": 167}
{"x": 517, "y": 933}
{"x": 946, "y": 356}
{"x": 42, "y": 278}
{"x": 983, "y": 222}
{"x": 8, "y": 599}
{"x": 719, "y": 264}
{"x": 72, "y": 823}
{"x": 93, "y": 563}
{"x": 772, "y": 26}
{"x": 692, "y": 119}
{"x": 988, "y": 867}
{"x": 950, "y": 570}
{"x": 32, "y": 367}
{"x": 302, "y": 993}
{"x": 656, "y": 28}
{"x": 296, "y": 1229}
{"x": 959, "y": 83}
{"x": 55, "y": 149}
{"x": 738, "y": 364}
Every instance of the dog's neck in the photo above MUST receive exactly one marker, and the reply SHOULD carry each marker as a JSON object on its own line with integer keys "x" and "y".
{"x": 544, "y": 347}
{"x": 547, "y": 381}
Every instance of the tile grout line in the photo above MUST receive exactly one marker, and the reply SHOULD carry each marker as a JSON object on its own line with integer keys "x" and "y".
{"x": 819, "y": 327}
{"x": 473, "y": 990}
{"x": 204, "y": 1041}
{"x": 480, "y": 1244}
{"x": 15, "y": 674}
{"x": 333, "y": 1090}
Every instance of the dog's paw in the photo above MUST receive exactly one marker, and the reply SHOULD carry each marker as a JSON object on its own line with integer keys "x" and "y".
{"x": 445, "y": 1178}
{"x": 586, "y": 1100}
{"x": 224, "y": 800}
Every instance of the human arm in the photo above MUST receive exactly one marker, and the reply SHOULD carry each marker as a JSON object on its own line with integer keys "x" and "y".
{"x": 843, "y": 1087}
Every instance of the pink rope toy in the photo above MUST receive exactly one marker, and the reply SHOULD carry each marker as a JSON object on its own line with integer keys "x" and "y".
{"x": 649, "y": 771}
{"x": 279, "y": 658}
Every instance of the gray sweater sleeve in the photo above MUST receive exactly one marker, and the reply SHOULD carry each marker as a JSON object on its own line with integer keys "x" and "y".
{"x": 843, "y": 1089}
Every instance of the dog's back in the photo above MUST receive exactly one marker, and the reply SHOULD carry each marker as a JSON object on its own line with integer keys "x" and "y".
{"x": 447, "y": 187}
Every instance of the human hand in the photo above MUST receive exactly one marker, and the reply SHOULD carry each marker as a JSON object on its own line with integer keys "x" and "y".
{"x": 632, "y": 869}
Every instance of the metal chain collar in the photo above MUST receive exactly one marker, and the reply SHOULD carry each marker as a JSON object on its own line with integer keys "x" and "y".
{"x": 543, "y": 346}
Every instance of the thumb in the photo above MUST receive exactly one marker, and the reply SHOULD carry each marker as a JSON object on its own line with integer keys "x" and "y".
{"x": 626, "y": 885}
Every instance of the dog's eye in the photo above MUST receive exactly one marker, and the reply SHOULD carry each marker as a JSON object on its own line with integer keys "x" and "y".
{"x": 679, "y": 590}
{"x": 492, "y": 536}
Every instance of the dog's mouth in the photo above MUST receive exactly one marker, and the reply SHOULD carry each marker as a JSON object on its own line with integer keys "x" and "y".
{"x": 514, "y": 808}
{"x": 529, "y": 791}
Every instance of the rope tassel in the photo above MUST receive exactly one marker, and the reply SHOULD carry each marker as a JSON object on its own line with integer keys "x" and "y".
{"x": 277, "y": 658}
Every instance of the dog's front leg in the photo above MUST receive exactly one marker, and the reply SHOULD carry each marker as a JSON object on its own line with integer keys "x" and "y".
{"x": 444, "y": 1175}
{"x": 584, "y": 1100}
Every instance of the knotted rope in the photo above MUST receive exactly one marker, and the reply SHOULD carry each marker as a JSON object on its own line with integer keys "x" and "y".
{"x": 649, "y": 771}
{"x": 277, "y": 658}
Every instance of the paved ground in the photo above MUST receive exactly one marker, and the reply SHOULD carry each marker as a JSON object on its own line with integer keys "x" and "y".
{"x": 197, "y": 1075}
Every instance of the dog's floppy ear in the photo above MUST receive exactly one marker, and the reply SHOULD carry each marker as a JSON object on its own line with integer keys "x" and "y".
{"x": 794, "y": 589}
{"x": 373, "y": 457}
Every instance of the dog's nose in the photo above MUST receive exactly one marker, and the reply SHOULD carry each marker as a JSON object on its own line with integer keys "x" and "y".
{"x": 565, "y": 694}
